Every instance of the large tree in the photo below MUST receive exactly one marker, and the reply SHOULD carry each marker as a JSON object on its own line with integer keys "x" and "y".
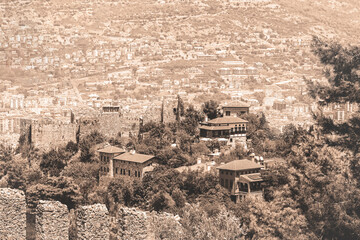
{"x": 210, "y": 108}
{"x": 342, "y": 65}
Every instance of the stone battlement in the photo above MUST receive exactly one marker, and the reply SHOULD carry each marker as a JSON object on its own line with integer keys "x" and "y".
{"x": 52, "y": 220}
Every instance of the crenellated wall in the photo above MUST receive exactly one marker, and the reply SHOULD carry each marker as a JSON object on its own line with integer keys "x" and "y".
{"x": 52, "y": 221}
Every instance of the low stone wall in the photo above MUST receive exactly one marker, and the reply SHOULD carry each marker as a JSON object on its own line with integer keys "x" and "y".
{"x": 12, "y": 214}
{"x": 52, "y": 221}
{"x": 92, "y": 222}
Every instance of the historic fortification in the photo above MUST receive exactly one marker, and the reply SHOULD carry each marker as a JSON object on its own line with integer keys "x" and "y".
{"x": 47, "y": 135}
{"x": 52, "y": 221}
{"x": 92, "y": 222}
{"x": 12, "y": 214}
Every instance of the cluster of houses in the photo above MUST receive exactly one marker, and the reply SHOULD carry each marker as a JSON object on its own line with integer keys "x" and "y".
{"x": 241, "y": 178}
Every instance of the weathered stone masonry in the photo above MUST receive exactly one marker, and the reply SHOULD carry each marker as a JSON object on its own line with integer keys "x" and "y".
{"x": 52, "y": 221}
{"x": 12, "y": 214}
{"x": 92, "y": 222}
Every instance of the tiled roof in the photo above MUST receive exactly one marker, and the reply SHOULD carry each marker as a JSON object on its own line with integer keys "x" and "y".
{"x": 236, "y": 104}
{"x": 240, "y": 165}
{"x": 134, "y": 157}
{"x": 111, "y": 149}
{"x": 215, "y": 127}
{"x": 228, "y": 119}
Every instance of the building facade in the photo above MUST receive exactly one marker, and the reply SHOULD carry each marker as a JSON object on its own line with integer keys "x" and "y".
{"x": 115, "y": 162}
{"x": 228, "y": 129}
{"x": 242, "y": 178}
{"x": 235, "y": 109}
{"x": 132, "y": 165}
{"x": 107, "y": 155}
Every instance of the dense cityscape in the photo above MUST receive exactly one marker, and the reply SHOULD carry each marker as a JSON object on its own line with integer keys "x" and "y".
{"x": 183, "y": 119}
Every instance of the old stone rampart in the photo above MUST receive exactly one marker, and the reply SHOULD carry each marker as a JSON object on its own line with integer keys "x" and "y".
{"x": 108, "y": 124}
{"x": 52, "y": 221}
{"x": 48, "y": 135}
{"x": 92, "y": 222}
{"x": 12, "y": 214}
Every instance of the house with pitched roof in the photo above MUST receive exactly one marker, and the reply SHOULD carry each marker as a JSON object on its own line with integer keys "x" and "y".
{"x": 242, "y": 178}
{"x": 132, "y": 164}
{"x": 236, "y": 108}
{"x": 225, "y": 129}
{"x": 116, "y": 162}
{"x": 106, "y": 156}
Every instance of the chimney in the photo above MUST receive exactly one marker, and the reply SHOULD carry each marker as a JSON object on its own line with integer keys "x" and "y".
{"x": 132, "y": 152}
{"x": 206, "y": 118}
{"x": 199, "y": 161}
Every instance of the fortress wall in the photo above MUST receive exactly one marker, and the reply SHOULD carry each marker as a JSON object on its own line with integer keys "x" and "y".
{"x": 52, "y": 221}
{"x": 51, "y": 135}
{"x": 92, "y": 222}
{"x": 109, "y": 125}
{"x": 12, "y": 214}
{"x": 132, "y": 224}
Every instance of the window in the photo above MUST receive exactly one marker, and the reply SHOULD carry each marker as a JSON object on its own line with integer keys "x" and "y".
{"x": 100, "y": 169}
{"x": 129, "y": 173}
{"x": 222, "y": 182}
{"x": 135, "y": 173}
{"x": 227, "y": 113}
{"x": 116, "y": 170}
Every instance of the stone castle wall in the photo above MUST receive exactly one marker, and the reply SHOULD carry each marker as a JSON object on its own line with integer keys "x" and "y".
{"x": 109, "y": 124}
{"x": 52, "y": 221}
{"x": 12, "y": 214}
{"x": 126, "y": 229}
{"x": 48, "y": 135}
{"x": 92, "y": 222}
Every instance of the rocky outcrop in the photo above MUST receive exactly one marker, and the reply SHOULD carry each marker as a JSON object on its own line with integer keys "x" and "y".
{"x": 92, "y": 222}
{"x": 12, "y": 214}
{"x": 52, "y": 221}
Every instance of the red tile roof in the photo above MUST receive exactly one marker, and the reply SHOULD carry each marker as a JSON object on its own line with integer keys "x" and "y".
{"x": 134, "y": 157}
{"x": 111, "y": 149}
{"x": 240, "y": 165}
{"x": 228, "y": 119}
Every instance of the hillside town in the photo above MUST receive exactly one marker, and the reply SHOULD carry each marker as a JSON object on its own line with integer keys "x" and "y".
{"x": 53, "y": 68}
{"x": 179, "y": 119}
